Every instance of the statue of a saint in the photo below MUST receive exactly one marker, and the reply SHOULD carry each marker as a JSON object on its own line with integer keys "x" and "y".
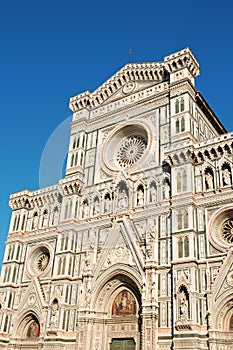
{"x": 96, "y": 207}
{"x": 140, "y": 197}
{"x": 166, "y": 191}
{"x": 44, "y": 222}
{"x": 85, "y": 210}
{"x": 122, "y": 200}
{"x": 209, "y": 181}
{"x": 183, "y": 307}
{"x": 152, "y": 194}
{"x": 107, "y": 205}
{"x": 226, "y": 177}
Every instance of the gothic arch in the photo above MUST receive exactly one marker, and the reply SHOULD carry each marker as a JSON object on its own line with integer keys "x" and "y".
{"x": 114, "y": 278}
{"x": 85, "y": 207}
{"x": 95, "y": 195}
{"x": 183, "y": 303}
{"x": 221, "y": 301}
{"x": 116, "y": 297}
{"x": 139, "y": 182}
{"x": 122, "y": 195}
{"x": 221, "y": 318}
{"x": 29, "y": 326}
{"x": 122, "y": 185}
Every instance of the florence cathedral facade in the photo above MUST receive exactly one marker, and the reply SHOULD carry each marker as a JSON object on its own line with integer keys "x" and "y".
{"x": 133, "y": 248}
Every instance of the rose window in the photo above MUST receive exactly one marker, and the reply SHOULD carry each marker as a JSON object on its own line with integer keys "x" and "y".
{"x": 127, "y": 146}
{"x": 39, "y": 260}
{"x": 227, "y": 231}
{"x": 42, "y": 262}
{"x": 131, "y": 150}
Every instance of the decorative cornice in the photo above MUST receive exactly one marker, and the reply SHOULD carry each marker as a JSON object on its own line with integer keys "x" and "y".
{"x": 29, "y": 200}
{"x": 198, "y": 153}
{"x": 156, "y": 72}
{"x": 71, "y": 185}
{"x": 181, "y": 59}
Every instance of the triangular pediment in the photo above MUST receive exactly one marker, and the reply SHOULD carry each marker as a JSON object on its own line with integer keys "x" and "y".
{"x": 33, "y": 298}
{"x": 131, "y": 78}
{"x": 129, "y": 88}
{"x": 223, "y": 283}
{"x": 134, "y": 77}
{"x": 121, "y": 247}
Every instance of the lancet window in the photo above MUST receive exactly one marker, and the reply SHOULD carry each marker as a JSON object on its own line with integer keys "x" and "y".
{"x": 182, "y": 219}
{"x": 179, "y": 105}
{"x": 181, "y": 181}
{"x": 16, "y": 222}
{"x": 183, "y": 247}
{"x": 180, "y": 125}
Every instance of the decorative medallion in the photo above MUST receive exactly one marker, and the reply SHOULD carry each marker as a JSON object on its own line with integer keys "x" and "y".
{"x": 31, "y": 299}
{"x": 129, "y": 87}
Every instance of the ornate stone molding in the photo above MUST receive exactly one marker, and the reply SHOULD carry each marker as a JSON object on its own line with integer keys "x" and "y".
{"x": 40, "y": 198}
{"x": 152, "y": 71}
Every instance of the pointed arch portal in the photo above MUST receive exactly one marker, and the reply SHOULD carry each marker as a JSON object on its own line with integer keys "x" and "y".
{"x": 118, "y": 300}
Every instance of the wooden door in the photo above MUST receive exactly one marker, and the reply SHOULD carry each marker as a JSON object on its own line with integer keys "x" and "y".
{"x": 123, "y": 344}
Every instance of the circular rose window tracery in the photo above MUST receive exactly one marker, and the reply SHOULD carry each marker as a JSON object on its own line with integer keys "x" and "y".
{"x": 127, "y": 146}
{"x": 39, "y": 260}
{"x": 227, "y": 231}
{"x": 131, "y": 150}
{"x": 220, "y": 228}
{"x": 42, "y": 262}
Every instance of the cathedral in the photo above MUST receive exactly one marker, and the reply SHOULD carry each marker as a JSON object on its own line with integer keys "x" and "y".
{"x": 133, "y": 248}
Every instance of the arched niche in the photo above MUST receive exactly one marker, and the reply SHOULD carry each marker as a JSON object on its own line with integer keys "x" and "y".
{"x": 231, "y": 323}
{"x": 29, "y": 328}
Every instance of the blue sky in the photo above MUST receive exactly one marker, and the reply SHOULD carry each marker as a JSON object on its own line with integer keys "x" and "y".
{"x": 51, "y": 50}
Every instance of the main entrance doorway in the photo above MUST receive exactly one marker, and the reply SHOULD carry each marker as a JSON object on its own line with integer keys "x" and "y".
{"x": 123, "y": 344}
